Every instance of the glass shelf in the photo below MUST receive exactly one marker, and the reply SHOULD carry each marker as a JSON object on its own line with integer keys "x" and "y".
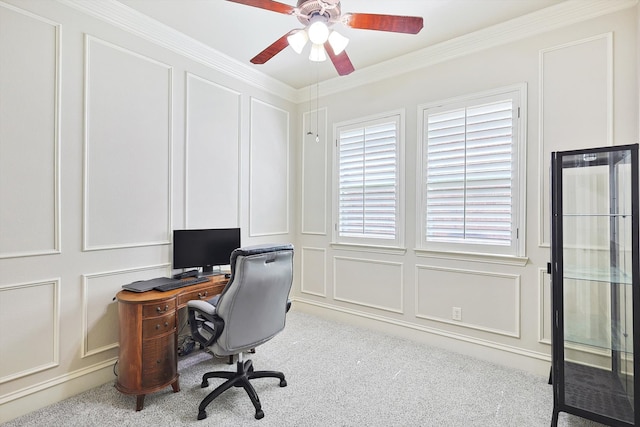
{"x": 604, "y": 275}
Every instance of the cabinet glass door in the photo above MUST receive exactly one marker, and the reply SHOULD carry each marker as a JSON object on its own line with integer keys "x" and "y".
{"x": 597, "y": 287}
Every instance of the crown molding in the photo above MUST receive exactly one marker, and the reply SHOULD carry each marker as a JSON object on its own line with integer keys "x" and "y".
{"x": 132, "y": 21}
{"x": 561, "y": 15}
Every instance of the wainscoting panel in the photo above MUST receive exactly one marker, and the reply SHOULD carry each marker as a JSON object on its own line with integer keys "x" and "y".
{"x": 269, "y": 170}
{"x": 576, "y": 107}
{"x": 314, "y": 172}
{"x": 371, "y": 283}
{"x": 39, "y": 318}
{"x": 544, "y": 306}
{"x": 127, "y": 189}
{"x": 29, "y": 107}
{"x": 100, "y": 312}
{"x": 212, "y": 166}
{"x": 487, "y": 301}
{"x": 314, "y": 266}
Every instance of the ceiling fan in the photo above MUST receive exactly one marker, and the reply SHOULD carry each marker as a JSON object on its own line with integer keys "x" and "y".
{"x": 318, "y": 16}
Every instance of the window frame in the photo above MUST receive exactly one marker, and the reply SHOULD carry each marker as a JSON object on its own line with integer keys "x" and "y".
{"x": 518, "y": 94}
{"x": 397, "y": 116}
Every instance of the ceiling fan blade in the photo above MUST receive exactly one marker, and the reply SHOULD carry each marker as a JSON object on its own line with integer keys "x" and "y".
{"x": 341, "y": 61}
{"x": 392, "y": 23}
{"x": 268, "y": 5}
{"x": 272, "y": 50}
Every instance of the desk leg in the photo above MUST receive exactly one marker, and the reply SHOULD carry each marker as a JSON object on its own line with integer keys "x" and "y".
{"x": 139, "y": 402}
{"x": 176, "y": 386}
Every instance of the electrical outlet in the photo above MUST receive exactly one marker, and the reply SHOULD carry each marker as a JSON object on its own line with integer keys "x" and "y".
{"x": 456, "y": 313}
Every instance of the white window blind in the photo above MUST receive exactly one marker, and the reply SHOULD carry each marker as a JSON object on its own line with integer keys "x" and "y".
{"x": 469, "y": 170}
{"x": 368, "y": 180}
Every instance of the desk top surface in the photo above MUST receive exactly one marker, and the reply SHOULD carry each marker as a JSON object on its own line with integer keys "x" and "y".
{"x": 153, "y": 295}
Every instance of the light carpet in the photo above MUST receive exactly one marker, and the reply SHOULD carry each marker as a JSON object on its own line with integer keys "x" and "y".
{"x": 338, "y": 375}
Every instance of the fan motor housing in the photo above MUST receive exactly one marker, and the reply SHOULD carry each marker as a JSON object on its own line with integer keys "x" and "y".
{"x": 307, "y": 9}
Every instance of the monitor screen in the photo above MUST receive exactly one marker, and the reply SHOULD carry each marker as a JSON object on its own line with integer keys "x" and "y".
{"x": 204, "y": 248}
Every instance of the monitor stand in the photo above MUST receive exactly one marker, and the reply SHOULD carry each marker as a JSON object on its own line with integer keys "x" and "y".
{"x": 208, "y": 270}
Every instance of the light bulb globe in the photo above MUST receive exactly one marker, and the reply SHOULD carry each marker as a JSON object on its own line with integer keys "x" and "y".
{"x": 318, "y": 32}
{"x": 317, "y": 53}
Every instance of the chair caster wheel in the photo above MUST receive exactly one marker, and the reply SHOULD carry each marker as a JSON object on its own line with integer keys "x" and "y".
{"x": 259, "y": 414}
{"x": 204, "y": 384}
{"x": 283, "y": 383}
{"x": 202, "y": 415}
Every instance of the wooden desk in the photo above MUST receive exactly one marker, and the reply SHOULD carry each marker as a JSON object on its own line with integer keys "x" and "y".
{"x": 148, "y": 358}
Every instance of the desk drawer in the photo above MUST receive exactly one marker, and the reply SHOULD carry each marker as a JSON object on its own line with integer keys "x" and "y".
{"x": 158, "y": 325}
{"x": 200, "y": 294}
{"x": 158, "y": 308}
{"x": 159, "y": 361}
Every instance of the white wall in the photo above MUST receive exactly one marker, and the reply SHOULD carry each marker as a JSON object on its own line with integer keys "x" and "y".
{"x": 582, "y": 92}
{"x": 108, "y": 142}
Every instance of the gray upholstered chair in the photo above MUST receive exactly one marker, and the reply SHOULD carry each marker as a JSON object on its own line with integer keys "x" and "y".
{"x": 250, "y": 311}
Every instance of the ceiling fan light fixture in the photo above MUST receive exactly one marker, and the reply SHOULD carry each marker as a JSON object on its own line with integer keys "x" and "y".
{"x": 338, "y": 42}
{"x": 318, "y": 32}
{"x": 298, "y": 40}
{"x": 317, "y": 53}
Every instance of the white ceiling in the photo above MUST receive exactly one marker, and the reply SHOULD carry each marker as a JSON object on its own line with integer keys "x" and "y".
{"x": 241, "y": 31}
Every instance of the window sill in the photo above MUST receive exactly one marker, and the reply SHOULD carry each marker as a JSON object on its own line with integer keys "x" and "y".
{"x": 474, "y": 257}
{"x": 392, "y": 250}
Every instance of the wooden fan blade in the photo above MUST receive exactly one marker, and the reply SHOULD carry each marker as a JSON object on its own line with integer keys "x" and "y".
{"x": 392, "y": 23}
{"x": 268, "y": 5}
{"x": 272, "y": 50}
{"x": 341, "y": 61}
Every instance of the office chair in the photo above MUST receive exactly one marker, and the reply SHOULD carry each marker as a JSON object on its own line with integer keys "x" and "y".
{"x": 250, "y": 311}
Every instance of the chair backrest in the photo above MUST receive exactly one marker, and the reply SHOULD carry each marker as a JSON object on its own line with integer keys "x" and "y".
{"x": 253, "y": 304}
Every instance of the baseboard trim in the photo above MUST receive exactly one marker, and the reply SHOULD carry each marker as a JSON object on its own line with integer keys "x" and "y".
{"x": 29, "y": 399}
{"x": 514, "y": 357}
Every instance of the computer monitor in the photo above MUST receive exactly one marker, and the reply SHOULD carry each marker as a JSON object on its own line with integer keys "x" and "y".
{"x": 204, "y": 248}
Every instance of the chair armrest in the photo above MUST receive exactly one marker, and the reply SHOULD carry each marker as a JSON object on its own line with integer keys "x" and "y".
{"x": 203, "y": 307}
{"x": 205, "y": 326}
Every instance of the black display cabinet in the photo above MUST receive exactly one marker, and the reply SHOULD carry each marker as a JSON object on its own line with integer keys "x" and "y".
{"x": 594, "y": 279}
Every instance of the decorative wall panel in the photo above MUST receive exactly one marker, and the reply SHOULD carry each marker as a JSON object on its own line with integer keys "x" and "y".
{"x": 269, "y": 170}
{"x": 314, "y": 266}
{"x": 314, "y": 172}
{"x": 127, "y": 186}
{"x": 486, "y": 301}
{"x": 544, "y": 305}
{"x": 100, "y": 311}
{"x": 39, "y": 318}
{"x": 29, "y": 134}
{"x": 576, "y": 106}
{"x": 212, "y": 167}
{"x": 372, "y": 283}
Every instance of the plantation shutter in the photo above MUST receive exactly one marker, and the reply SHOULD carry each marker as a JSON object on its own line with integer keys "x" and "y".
{"x": 367, "y": 180}
{"x": 468, "y": 170}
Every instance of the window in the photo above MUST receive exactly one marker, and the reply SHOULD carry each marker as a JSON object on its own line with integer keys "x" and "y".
{"x": 471, "y": 177}
{"x": 367, "y": 182}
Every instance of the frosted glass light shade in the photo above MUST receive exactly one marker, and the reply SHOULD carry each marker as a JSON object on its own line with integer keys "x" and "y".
{"x": 338, "y": 42}
{"x": 318, "y": 32}
{"x": 317, "y": 53}
{"x": 298, "y": 40}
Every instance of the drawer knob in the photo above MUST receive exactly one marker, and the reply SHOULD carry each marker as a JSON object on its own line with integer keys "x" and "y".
{"x": 203, "y": 295}
{"x": 160, "y": 310}
{"x": 165, "y": 325}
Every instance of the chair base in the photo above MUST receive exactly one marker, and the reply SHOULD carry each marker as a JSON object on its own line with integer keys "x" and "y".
{"x": 240, "y": 378}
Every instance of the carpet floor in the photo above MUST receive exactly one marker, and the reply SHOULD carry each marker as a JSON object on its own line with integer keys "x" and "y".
{"x": 338, "y": 375}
